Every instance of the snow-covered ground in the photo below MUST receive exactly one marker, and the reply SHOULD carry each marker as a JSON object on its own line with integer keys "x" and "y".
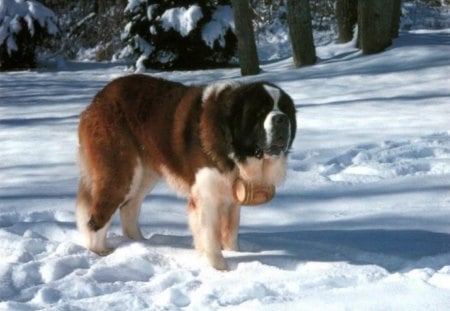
{"x": 361, "y": 223}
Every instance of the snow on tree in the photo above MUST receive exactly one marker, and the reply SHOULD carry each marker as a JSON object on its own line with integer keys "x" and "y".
{"x": 22, "y": 25}
{"x": 179, "y": 34}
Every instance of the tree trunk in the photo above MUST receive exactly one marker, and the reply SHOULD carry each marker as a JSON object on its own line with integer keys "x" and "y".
{"x": 374, "y": 25}
{"x": 347, "y": 17}
{"x": 300, "y": 31}
{"x": 396, "y": 14}
{"x": 248, "y": 56}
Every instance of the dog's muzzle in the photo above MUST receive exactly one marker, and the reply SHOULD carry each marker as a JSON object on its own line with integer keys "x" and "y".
{"x": 278, "y": 131}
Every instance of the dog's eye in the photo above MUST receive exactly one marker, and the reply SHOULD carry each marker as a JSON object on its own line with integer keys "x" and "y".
{"x": 259, "y": 153}
{"x": 261, "y": 114}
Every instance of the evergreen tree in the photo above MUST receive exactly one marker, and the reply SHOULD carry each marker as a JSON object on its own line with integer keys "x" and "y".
{"x": 23, "y": 25}
{"x": 179, "y": 34}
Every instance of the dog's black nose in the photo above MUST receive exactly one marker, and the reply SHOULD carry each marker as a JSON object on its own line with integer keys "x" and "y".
{"x": 280, "y": 119}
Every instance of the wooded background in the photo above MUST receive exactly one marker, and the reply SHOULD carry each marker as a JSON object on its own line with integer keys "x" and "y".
{"x": 124, "y": 29}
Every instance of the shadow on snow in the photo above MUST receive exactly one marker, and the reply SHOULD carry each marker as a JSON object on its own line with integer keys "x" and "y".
{"x": 393, "y": 250}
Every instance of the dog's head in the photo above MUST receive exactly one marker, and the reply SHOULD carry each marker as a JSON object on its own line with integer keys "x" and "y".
{"x": 251, "y": 126}
{"x": 262, "y": 121}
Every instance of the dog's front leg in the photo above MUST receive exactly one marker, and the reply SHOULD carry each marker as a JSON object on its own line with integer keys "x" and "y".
{"x": 211, "y": 236}
{"x": 210, "y": 198}
{"x": 204, "y": 226}
{"x": 230, "y": 227}
{"x": 204, "y": 220}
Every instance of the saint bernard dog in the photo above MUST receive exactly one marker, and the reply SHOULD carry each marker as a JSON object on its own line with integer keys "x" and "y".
{"x": 199, "y": 139}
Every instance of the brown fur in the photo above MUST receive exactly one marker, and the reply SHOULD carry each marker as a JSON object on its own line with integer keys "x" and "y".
{"x": 139, "y": 129}
{"x": 146, "y": 118}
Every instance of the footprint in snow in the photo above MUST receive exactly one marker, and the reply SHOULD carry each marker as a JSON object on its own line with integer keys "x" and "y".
{"x": 390, "y": 159}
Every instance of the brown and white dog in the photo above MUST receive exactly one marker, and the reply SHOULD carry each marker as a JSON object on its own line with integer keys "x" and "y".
{"x": 140, "y": 129}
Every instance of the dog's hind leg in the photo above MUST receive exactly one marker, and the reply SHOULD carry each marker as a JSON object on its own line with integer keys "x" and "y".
{"x": 144, "y": 179}
{"x": 129, "y": 214}
{"x": 103, "y": 188}
{"x": 94, "y": 217}
{"x": 93, "y": 240}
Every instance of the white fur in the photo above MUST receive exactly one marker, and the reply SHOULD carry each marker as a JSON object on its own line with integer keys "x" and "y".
{"x": 136, "y": 180}
{"x": 176, "y": 183}
{"x": 268, "y": 124}
{"x": 275, "y": 93}
{"x": 143, "y": 181}
{"x": 251, "y": 169}
{"x": 230, "y": 228}
{"x": 271, "y": 170}
{"x": 274, "y": 169}
{"x": 212, "y": 199}
{"x": 215, "y": 89}
{"x": 84, "y": 173}
{"x": 93, "y": 240}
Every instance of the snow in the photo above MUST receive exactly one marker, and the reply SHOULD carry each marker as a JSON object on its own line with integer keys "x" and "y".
{"x": 361, "y": 223}
{"x": 146, "y": 49}
{"x": 133, "y": 5}
{"x": 181, "y": 19}
{"x": 150, "y": 10}
{"x": 45, "y": 17}
{"x": 216, "y": 29}
{"x": 12, "y": 11}
{"x": 417, "y": 15}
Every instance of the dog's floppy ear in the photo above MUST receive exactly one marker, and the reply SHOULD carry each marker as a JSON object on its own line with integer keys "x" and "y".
{"x": 215, "y": 132}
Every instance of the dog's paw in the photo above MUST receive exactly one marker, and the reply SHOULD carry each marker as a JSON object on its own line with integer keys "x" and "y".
{"x": 217, "y": 262}
{"x": 104, "y": 251}
{"x": 233, "y": 247}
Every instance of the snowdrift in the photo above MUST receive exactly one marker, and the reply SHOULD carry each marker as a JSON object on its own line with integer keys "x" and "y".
{"x": 362, "y": 222}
